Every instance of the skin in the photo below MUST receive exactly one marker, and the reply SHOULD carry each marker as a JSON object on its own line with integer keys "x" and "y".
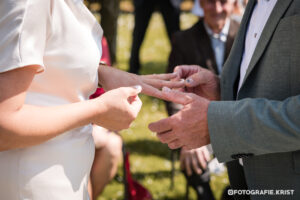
{"x": 188, "y": 128}
{"x": 194, "y": 160}
{"x": 107, "y": 156}
{"x": 23, "y": 125}
{"x": 216, "y": 12}
{"x": 111, "y": 78}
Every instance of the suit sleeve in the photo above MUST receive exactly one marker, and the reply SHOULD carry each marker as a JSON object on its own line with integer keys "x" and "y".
{"x": 176, "y": 58}
{"x": 254, "y": 126}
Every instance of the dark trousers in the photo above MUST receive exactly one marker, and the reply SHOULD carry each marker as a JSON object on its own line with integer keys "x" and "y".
{"x": 109, "y": 21}
{"x": 200, "y": 184}
{"x": 237, "y": 178}
{"x": 143, "y": 12}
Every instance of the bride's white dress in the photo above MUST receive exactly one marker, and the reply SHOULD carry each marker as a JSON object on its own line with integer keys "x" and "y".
{"x": 64, "y": 38}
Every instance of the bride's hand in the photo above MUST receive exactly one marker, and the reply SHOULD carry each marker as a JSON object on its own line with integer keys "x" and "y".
{"x": 152, "y": 84}
{"x": 117, "y": 108}
{"x": 111, "y": 78}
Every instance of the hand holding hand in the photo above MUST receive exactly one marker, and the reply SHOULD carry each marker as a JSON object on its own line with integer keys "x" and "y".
{"x": 153, "y": 83}
{"x": 199, "y": 81}
{"x": 121, "y": 106}
{"x": 194, "y": 160}
{"x": 187, "y": 128}
{"x": 111, "y": 78}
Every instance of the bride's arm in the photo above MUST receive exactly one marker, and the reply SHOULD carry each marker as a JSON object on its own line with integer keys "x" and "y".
{"x": 111, "y": 78}
{"x": 23, "y": 125}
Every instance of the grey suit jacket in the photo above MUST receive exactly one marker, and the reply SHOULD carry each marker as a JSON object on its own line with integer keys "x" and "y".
{"x": 262, "y": 122}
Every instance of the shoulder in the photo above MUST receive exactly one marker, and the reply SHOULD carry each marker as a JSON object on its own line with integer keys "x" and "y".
{"x": 17, "y": 5}
{"x": 15, "y": 15}
{"x": 16, "y": 10}
{"x": 23, "y": 30}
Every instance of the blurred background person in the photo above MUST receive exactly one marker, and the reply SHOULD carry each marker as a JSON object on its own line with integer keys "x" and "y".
{"x": 170, "y": 10}
{"x": 108, "y": 153}
{"x": 238, "y": 11}
{"x": 109, "y": 13}
{"x": 207, "y": 44}
{"x": 197, "y": 10}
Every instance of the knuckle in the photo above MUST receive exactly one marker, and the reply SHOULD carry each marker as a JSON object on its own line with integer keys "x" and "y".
{"x": 163, "y": 140}
{"x": 171, "y": 146}
{"x": 132, "y": 116}
{"x": 129, "y": 119}
{"x": 127, "y": 126}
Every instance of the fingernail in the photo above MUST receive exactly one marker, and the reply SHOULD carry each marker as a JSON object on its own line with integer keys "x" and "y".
{"x": 189, "y": 80}
{"x": 166, "y": 89}
{"x": 138, "y": 87}
{"x": 182, "y": 80}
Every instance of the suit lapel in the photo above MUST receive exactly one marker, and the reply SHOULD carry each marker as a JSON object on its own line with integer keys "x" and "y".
{"x": 230, "y": 38}
{"x": 231, "y": 69}
{"x": 267, "y": 33}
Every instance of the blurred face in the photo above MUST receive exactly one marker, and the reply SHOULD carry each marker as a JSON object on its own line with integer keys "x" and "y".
{"x": 216, "y": 12}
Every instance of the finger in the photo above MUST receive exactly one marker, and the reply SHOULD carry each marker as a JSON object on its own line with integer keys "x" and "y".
{"x": 199, "y": 78}
{"x": 175, "y": 144}
{"x": 201, "y": 160}
{"x": 206, "y": 154}
{"x": 166, "y": 137}
{"x": 168, "y": 76}
{"x": 131, "y": 91}
{"x": 136, "y": 106}
{"x": 152, "y": 91}
{"x": 195, "y": 164}
{"x": 188, "y": 165}
{"x": 177, "y": 96}
{"x": 162, "y": 83}
{"x": 160, "y": 126}
{"x": 186, "y": 70}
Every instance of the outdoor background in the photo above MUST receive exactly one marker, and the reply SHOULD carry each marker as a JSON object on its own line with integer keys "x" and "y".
{"x": 149, "y": 159}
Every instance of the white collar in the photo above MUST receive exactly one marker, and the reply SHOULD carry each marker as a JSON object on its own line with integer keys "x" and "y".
{"x": 222, "y": 35}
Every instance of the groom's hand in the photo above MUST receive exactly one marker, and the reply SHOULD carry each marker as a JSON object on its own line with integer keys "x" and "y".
{"x": 187, "y": 128}
{"x": 200, "y": 81}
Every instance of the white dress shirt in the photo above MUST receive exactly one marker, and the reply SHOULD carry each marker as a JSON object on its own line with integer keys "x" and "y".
{"x": 259, "y": 18}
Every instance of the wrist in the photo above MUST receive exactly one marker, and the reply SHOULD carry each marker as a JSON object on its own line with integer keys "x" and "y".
{"x": 100, "y": 73}
{"x": 97, "y": 108}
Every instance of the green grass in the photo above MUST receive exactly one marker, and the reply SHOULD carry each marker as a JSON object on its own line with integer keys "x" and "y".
{"x": 150, "y": 159}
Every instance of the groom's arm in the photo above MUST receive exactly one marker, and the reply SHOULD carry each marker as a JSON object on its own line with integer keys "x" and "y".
{"x": 234, "y": 128}
{"x": 254, "y": 127}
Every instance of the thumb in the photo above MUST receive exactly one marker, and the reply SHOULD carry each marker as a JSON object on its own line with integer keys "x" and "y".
{"x": 136, "y": 105}
{"x": 176, "y": 96}
{"x": 132, "y": 92}
{"x": 197, "y": 79}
